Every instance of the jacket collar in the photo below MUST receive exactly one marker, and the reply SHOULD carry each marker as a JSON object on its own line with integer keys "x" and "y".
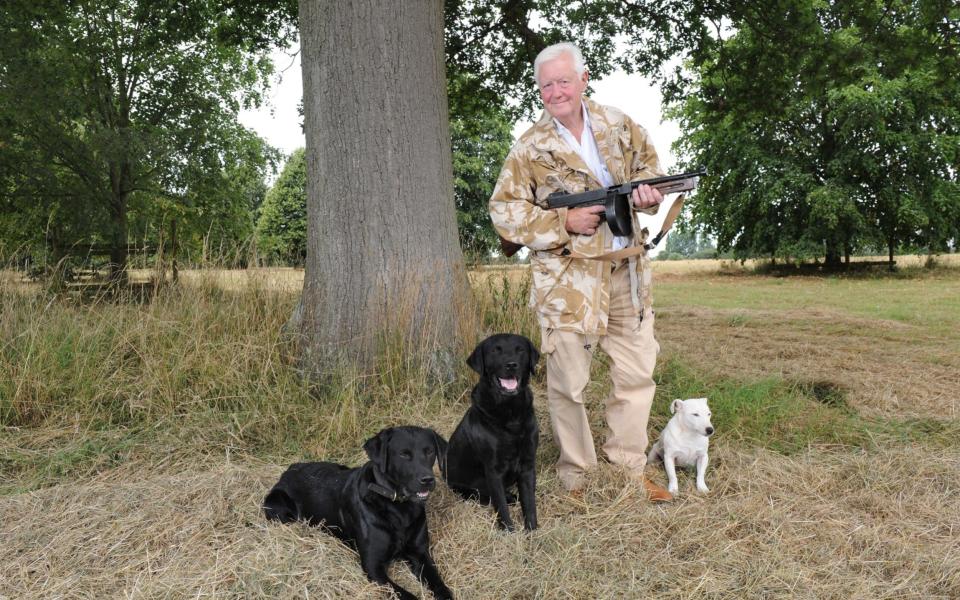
{"x": 547, "y": 139}
{"x": 605, "y": 132}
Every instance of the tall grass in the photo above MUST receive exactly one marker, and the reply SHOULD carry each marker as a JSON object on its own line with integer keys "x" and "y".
{"x": 148, "y": 431}
{"x": 206, "y": 368}
{"x": 198, "y": 368}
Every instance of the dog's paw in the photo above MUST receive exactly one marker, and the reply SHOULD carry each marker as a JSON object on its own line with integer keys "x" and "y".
{"x": 673, "y": 489}
{"x": 702, "y": 487}
{"x": 507, "y": 527}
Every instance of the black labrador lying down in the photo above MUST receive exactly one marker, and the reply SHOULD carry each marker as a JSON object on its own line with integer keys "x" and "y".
{"x": 495, "y": 445}
{"x": 377, "y": 509}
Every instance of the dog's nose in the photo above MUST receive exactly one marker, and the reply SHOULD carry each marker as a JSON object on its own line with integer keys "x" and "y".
{"x": 709, "y": 430}
{"x": 512, "y": 365}
{"x": 428, "y": 480}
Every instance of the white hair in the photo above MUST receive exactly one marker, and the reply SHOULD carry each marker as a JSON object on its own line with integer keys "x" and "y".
{"x": 551, "y": 52}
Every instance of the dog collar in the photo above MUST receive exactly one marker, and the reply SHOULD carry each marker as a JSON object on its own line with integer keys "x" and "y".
{"x": 380, "y": 486}
{"x": 386, "y": 492}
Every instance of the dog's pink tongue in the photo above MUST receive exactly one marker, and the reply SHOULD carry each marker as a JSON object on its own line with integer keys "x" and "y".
{"x": 509, "y": 384}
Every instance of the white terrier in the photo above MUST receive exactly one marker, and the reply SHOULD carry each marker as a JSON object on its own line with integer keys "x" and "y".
{"x": 684, "y": 441}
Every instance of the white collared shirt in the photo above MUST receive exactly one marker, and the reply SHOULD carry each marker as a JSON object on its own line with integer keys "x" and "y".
{"x": 586, "y": 147}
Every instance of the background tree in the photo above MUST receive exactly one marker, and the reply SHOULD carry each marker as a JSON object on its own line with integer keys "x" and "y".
{"x": 685, "y": 242}
{"x": 214, "y": 219}
{"x": 480, "y": 143}
{"x": 109, "y": 105}
{"x": 681, "y": 243}
{"x": 282, "y": 224}
{"x": 827, "y": 126}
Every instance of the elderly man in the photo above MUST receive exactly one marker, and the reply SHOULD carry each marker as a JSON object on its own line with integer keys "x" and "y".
{"x": 583, "y": 298}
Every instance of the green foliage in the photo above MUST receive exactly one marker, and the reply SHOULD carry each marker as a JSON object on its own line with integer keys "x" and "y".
{"x": 490, "y": 47}
{"x": 827, "y": 127}
{"x": 282, "y": 225}
{"x": 480, "y": 143}
{"x": 126, "y": 109}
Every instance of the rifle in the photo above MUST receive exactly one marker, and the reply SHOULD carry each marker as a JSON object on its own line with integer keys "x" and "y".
{"x": 616, "y": 200}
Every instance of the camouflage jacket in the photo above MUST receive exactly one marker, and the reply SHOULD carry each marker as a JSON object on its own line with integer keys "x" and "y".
{"x": 572, "y": 293}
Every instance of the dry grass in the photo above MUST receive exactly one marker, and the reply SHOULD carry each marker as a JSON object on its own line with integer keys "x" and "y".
{"x": 820, "y": 525}
{"x": 148, "y": 434}
{"x": 282, "y": 279}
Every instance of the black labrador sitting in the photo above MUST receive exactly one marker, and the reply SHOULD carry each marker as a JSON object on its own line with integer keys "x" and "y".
{"x": 495, "y": 445}
{"x": 377, "y": 509}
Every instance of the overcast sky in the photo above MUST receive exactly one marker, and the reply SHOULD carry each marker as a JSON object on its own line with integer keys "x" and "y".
{"x": 279, "y": 123}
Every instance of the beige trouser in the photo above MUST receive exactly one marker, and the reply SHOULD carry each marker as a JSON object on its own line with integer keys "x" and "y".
{"x": 632, "y": 349}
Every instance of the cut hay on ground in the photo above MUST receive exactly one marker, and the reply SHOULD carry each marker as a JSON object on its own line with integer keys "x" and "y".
{"x": 818, "y": 525}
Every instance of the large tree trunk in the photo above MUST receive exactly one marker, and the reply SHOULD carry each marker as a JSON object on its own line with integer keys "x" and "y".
{"x": 382, "y": 252}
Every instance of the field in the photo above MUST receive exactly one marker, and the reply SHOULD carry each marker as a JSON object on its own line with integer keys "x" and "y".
{"x": 138, "y": 439}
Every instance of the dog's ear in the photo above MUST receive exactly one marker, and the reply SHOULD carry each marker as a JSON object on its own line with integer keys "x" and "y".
{"x": 476, "y": 359}
{"x": 279, "y": 506}
{"x": 675, "y": 405}
{"x": 441, "y": 447}
{"x": 534, "y": 356}
{"x": 376, "y": 448}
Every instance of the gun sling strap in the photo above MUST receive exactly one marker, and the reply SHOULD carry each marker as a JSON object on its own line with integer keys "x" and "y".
{"x": 668, "y": 222}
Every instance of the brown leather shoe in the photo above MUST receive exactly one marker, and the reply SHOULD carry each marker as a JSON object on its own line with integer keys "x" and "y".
{"x": 655, "y": 493}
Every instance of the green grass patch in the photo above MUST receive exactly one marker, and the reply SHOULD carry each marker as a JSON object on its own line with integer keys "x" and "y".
{"x": 929, "y": 432}
{"x": 789, "y": 416}
{"x": 28, "y": 462}
{"x": 922, "y": 299}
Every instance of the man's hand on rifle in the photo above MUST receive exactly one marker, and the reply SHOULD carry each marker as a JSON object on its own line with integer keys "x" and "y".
{"x": 645, "y": 196}
{"x": 584, "y": 220}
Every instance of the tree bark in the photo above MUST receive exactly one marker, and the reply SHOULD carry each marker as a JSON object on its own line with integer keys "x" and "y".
{"x": 173, "y": 251}
{"x": 382, "y": 251}
{"x": 118, "y": 242}
{"x": 832, "y": 259}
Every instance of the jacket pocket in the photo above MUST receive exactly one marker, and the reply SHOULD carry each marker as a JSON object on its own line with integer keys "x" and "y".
{"x": 547, "y": 341}
{"x": 549, "y": 297}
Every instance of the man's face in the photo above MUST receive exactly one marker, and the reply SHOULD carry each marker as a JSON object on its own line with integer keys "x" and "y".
{"x": 561, "y": 89}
